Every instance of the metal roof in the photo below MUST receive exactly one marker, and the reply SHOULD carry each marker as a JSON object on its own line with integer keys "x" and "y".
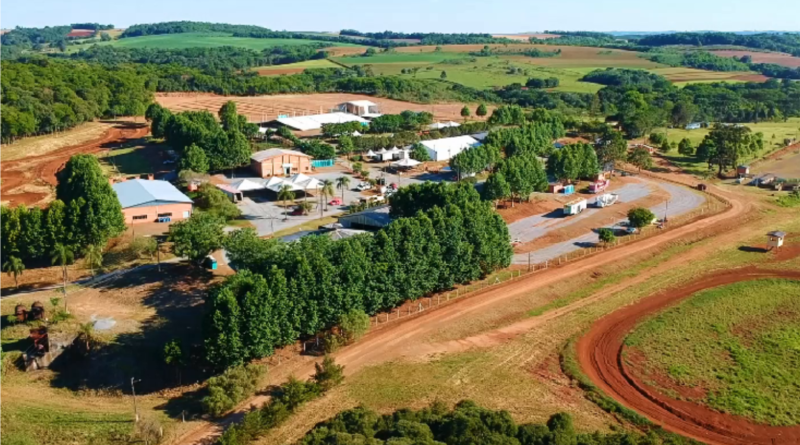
{"x": 453, "y": 145}
{"x": 315, "y": 121}
{"x": 139, "y": 191}
{"x": 361, "y": 103}
{"x": 297, "y": 182}
{"x": 272, "y": 152}
{"x": 777, "y": 234}
{"x": 376, "y": 216}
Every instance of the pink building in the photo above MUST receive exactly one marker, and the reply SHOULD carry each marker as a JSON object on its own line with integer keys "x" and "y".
{"x": 146, "y": 201}
{"x": 280, "y": 162}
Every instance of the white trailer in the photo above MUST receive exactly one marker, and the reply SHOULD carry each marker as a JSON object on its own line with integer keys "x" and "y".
{"x": 574, "y": 207}
{"x": 606, "y": 200}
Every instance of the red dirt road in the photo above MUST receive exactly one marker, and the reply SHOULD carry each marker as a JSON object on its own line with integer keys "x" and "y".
{"x": 41, "y": 170}
{"x": 600, "y": 357}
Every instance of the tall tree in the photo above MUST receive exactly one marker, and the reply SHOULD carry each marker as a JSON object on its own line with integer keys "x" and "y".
{"x": 198, "y": 236}
{"x": 94, "y": 257}
{"x": 640, "y": 157}
{"x": 496, "y": 188}
{"x": 14, "y": 267}
{"x": 194, "y": 158}
{"x": 93, "y": 208}
{"x": 286, "y": 194}
{"x": 611, "y": 148}
{"x": 342, "y": 183}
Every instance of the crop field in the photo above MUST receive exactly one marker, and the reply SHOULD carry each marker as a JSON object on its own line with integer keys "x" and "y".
{"x": 202, "y": 40}
{"x": 733, "y": 348}
{"x": 294, "y": 68}
{"x": 762, "y": 57}
{"x": 683, "y": 76}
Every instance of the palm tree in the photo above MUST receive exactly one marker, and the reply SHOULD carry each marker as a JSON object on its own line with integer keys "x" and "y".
{"x": 94, "y": 257}
{"x": 63, "y": 257}
{"x": 14, "y": 266}
{"x": 342, "y": 182}
{"x": 305, "y": 206}
{"x": 365, "y": 174}
{"x": 285, "y": 194}
{"x": 327, "y": 190}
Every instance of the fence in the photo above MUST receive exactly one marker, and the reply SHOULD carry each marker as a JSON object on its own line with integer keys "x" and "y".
{"x": 323, "y": 163}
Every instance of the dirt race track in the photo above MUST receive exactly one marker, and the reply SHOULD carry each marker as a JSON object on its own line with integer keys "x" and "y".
{"x": 29, "y": 180}
{"x": 265, "y": 108}
{"x": 600, "y": 357}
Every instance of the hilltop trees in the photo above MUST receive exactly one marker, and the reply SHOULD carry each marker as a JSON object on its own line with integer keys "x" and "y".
{"x": 726, "y": 144}
{"x": 572, "y": 162}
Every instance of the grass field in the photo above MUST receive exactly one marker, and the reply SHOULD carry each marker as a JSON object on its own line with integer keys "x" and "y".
{"x": 323, "y": 63}
{"x": 202, "y": 40}
{"x": 738, "y": 344}
{"x": 683, "y": 76}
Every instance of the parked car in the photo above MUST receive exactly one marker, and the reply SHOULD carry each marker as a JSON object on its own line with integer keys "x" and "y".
{"x": 335, "y": 202}
{"x": 362, "y": 186}
{"x": 516, "y": 242}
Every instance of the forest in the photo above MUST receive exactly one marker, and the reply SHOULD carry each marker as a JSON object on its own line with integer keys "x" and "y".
{"x": 782, "y": 42}
{"x": 466, "y": 424}
{"x": 429, "y": 38}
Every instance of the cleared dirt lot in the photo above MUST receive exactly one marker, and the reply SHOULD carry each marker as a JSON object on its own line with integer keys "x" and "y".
{"x": 759, "y": 57}
{"x": 784, "y": 164}
{"x": 264, "y": 108}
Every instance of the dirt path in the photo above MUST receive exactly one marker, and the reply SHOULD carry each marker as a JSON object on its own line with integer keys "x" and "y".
{"x": 600, "y": 356}
{"x": 29, "y": 180}
{"x": 398, "y": 340}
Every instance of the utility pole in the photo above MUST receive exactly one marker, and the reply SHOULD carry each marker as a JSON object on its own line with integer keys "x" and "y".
{"x": 133, "y": 391}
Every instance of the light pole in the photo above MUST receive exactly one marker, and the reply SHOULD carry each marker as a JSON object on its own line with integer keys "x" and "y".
{"x": 133, "y": 391}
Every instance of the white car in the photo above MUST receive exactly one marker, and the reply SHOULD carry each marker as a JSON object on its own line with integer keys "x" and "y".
{"x": 363, "y": 186}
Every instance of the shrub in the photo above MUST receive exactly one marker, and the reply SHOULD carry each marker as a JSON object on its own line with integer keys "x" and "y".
{"x": 354, "y": 324}
{"x": 606, "y": 235}
{"x": 640, "y": 217}
{"x": 225, "y": 391}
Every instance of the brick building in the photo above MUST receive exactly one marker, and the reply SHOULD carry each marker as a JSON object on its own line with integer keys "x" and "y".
{"x": 146, "y": 201}
{"x": 280, "y": 162}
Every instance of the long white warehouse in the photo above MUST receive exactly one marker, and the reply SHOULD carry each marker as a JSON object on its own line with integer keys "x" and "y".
{"x": 446, "y": 148}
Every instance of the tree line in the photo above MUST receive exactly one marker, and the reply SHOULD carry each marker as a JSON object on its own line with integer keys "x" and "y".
{"x": 429, "y": 38}
{"x": 85, "y": 214}
{"x": 781, "y": 42}
{"x": 203, "y": 143}
{"x": 487, "y": 51}
{"x": 466, "y": 423}
{"x": 712, "y": 62}
{"x": 293, "y": 290}
{"x": 46, "y": 96}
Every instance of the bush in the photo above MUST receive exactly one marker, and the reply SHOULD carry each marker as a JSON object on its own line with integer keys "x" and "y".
{"x": 640, "y": 217}
{"x": 231, "y": 387}
{"x": 213, "y": 200}
{"x": 790, "y": 200}
{"x": 606, "y": 235}
{"x": 354, "y": 324}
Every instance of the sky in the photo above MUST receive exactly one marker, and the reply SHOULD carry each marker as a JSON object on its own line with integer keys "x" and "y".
{"x": 492, "y": 16}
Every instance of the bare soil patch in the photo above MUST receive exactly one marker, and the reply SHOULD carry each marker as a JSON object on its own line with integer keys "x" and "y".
{"x": 39, "y": 145}
{"x": 522, "y": 210}
{"x": 265, "y": 108}
{"x": 40, "y": 170}
{"x": 525, "y": 37}
{"x": 762, "y": 57}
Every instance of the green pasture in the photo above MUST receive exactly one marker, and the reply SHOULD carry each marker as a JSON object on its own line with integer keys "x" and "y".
{"x": 739, "y": 344}
{"x": 321, "y": 63}
{"x": 203, "y": 40}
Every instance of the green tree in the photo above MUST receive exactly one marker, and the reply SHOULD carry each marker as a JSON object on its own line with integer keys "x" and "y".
{"x": 665, "y": 146}
{"x": 465, "y": 113}
{"x": 105, "y": 37}
{"x": 481, "y": 111}
{"x": 443, "y": 75}
{"x": 611, "y": 147}
{"x": 305, "y": 206}
{"x": 731, "y": 143}
{"x": 197, "y": 237}
{"x": 354, "y": 324}
{"x": 328, "y": 374}
{"x": 229, "y": 117}
{"x": 640, "y": 217}
{"x": 346, "y": 146}
{"x": 640, "y": 157}
{"x": 496, "y": 188}
{"x": 174, "y": 356}
{"x": 14, "y": 267}
{"x": 606, "y": 235}
{"x": 326, "y": 191}
{"x": 342, "y": 183}
{"x": 63, "y": 257}
{"x": 94, "y": 213}
{"x": 419, "y": 153}
{"x": 94, "y": 257}
{"x": 685, "y": 147}
{"x": 286, "y": 194}
{"x": 212, "y": 200}
{"x": 194, "y": 159}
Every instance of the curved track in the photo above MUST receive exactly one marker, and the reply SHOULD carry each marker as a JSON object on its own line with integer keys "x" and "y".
{"x": 600, "y": 357}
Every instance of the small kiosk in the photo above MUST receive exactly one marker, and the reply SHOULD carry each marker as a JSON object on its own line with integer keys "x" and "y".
{"x": 775, "y": 239}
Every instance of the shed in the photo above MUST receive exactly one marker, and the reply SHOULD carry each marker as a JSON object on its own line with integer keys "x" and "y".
{"x": 374, "y": 218}
{"x": 232, "y": 194}
{"x": 775, "y": 239}
{"x": 555, "y": 187}
{"x": 743, "y": 170}
{"x": 568, "y": 189}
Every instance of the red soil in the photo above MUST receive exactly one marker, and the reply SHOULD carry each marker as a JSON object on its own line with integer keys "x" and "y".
{"x": 600, "y": 357}
{"x": 42, "y": 169}
{"x": 81, "y": 33}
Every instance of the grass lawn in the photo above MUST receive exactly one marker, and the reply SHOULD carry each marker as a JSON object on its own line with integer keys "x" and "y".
{"x": 740, "y": 343}
{"x": 774, "y": 134}
{"x": 203, "y": 40}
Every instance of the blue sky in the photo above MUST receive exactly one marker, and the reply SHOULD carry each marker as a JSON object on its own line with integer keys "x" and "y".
{"x": 422, "y": 15}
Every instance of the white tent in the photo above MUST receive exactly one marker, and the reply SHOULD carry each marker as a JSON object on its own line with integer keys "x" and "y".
{"x": 405, "y": 162}
{"x": 356, "y": 133}
{"x": 370, "y": 154}
{"x": 297, "y": 182}
{"x": 384, "y": 154}
{"x": 246, "y": 185}
{"x": 446, "y": 148}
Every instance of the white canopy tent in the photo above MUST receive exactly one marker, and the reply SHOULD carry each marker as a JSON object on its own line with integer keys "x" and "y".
{"x": 246, "y": 185}
{"x": 297, "y": 183}
{"x": 406, "y": 162}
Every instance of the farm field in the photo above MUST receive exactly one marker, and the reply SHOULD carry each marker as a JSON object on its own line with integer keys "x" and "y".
{"x": 762, "y": 57}
{"x": 294, "y": 68}
{"x": 202, "y": 40}
{"x": 683, "y": 76}
{"x": 262, "y": 108}
{"x": 729, "y": 348}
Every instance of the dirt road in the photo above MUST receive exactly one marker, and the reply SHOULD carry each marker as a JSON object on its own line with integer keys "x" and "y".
{"x": 29, "y": 180}
{"x": 400, "y": 339}
{"x": 600, "y": 357}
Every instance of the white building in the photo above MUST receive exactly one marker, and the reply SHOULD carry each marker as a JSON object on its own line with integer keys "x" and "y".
{"x": 316, "y": 121}
{"x": 362, "y": 108}
{"x": 446, "y": 148}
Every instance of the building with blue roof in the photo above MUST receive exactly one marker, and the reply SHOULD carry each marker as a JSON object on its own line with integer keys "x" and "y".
{"x": 146, "y": 201}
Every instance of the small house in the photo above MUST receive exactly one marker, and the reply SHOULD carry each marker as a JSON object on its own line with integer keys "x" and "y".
{"x": 742, "y": 170}
{"x": 555, "y": 187}
{"x": 775, "y": 239}
{"x": 568, "y": 189}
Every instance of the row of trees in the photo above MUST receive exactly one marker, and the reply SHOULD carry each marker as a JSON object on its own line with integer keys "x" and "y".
{"x": 781, "y": 42}
{"x": 46, "y": 96}
{"x": 515, "y": 177}
{"x": 204, "y": 143}
{"x": 285, "y": 291}
{"x": 572, "y": 162}
{"x": 84, "y": 216}
{"x": 467, "y": 423}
